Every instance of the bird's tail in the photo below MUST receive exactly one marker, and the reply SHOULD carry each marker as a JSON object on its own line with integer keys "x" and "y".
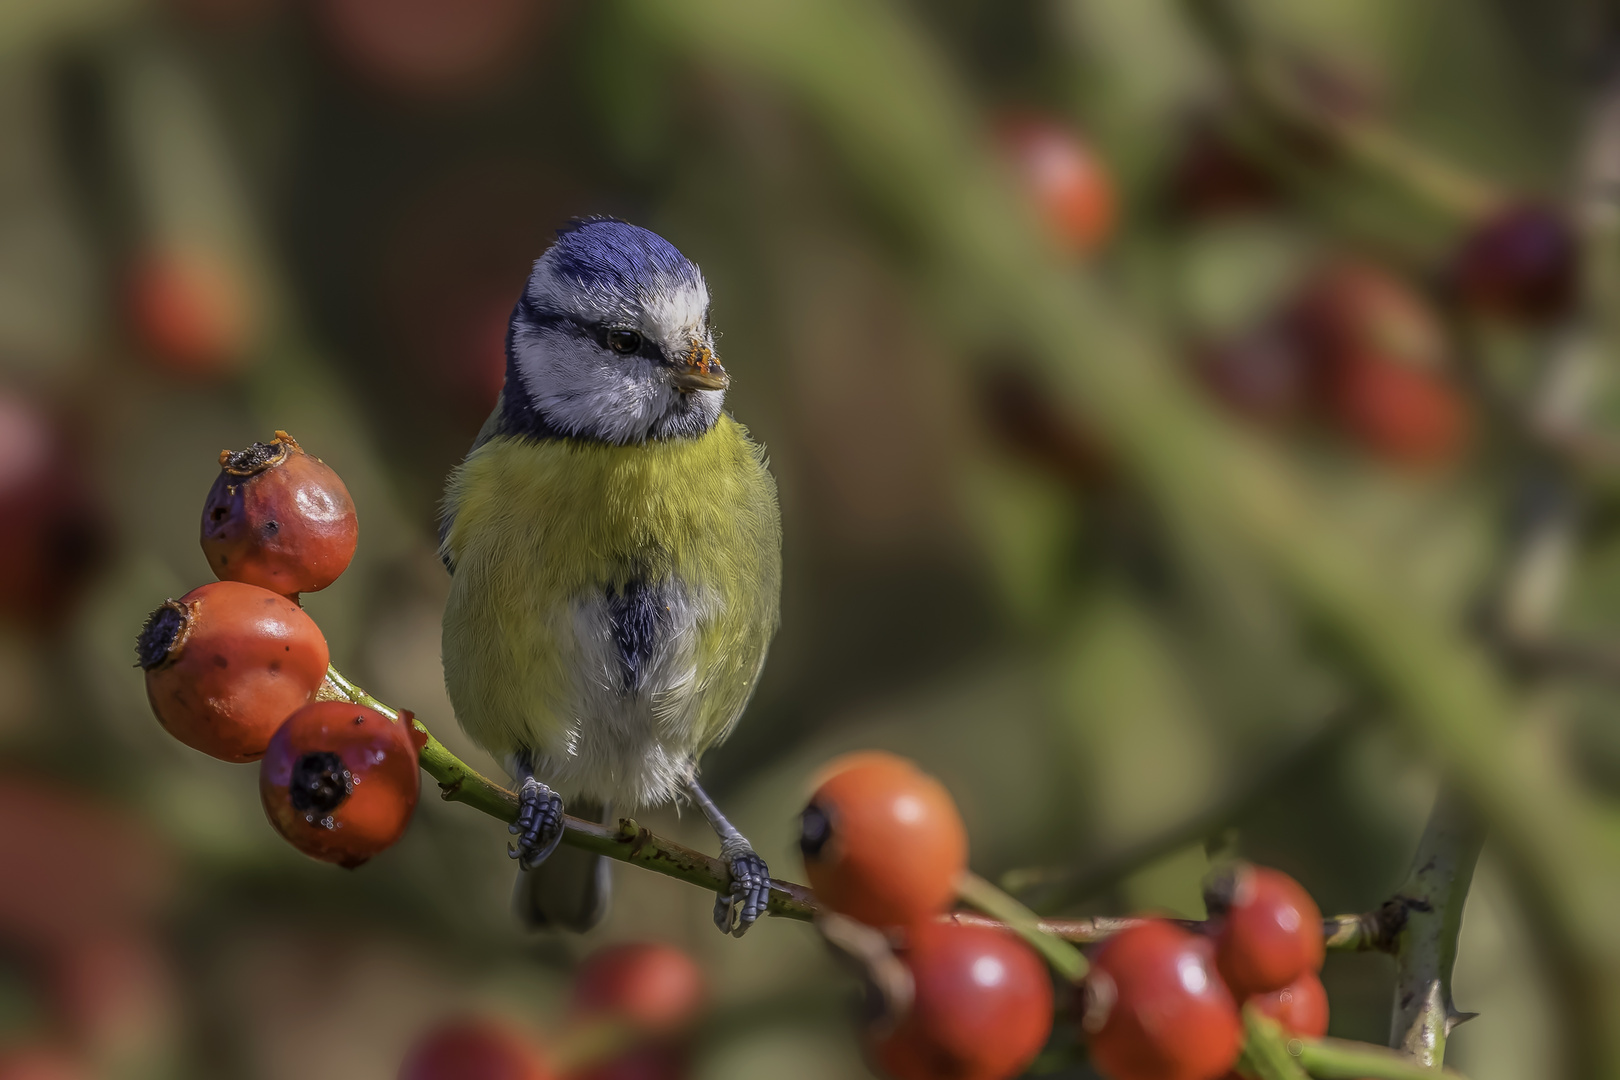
{"x": 571, "y": 890}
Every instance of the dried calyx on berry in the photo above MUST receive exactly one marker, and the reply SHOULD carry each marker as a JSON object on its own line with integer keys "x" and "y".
{"x": 162, "y": 636}
{"x": 260, "y": 456}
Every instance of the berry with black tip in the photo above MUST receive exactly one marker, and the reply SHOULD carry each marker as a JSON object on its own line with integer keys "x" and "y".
{"x": 340, "y": 781}
{"x": 882, "y": 840}
{"x": 227, "y": 663}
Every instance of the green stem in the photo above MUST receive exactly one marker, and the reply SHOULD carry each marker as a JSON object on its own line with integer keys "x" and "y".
{"x": 1266, "y": 1050}
{"x": 627, "y": 842}
{"x": 1339, "y": 1059}
{"x": 1065, "y": 959}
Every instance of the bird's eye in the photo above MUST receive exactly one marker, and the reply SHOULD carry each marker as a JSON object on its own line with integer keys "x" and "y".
{"x": 624, "y": 342}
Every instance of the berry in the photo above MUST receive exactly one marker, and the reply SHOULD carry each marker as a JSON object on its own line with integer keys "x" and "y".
{"x": 1521, "y": 264}
{"x": 1405, "y": 415}
{"x": 1270, "y": 930}
{"x": 227, "y": 663}
{"x": 40, "y": 1063}
{"x": 882, "y": 840}
{"x": 340, "y": 781}
{"x": 474, "y": 1049}
{"x": 1258, "y": 375}
{"x": 1154, "y": 1008}
{"x": 982, "y": 1007}
{"x": 655, "y": 987}
{"x": 1301, "y": 1007}
{"x": 53, "y": 533}
{"x": 1352, "y": 309}
{"x": 1068, "y": 184}
{"x": 430, "y": 48}
{"x": 189, "y": 310}
{"x": 278, "y": 518}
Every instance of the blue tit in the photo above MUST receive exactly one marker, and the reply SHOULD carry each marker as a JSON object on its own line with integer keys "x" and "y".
{"x": 615, "y": 554}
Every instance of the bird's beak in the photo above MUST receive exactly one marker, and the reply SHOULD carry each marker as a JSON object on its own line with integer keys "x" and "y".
{"x": 699, "y": 369}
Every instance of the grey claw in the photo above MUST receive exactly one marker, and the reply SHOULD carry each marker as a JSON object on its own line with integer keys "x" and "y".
{"x": 741, "y": 906}
{"x": 539, "y": 826}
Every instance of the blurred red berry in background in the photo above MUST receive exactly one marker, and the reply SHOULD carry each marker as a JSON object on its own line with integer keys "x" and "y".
{"x": 1155, "y": 1009}
{"x": 661, "y": 1059}
{"x": 882, "y": 840}
{"x": 431, "y": 48}
{"x": 475, "y": 1048}
{"x": 982, "y": 1007}
{"x": 1352, "y": 308}
{"x": 1260, "y": 375}
{"x": 1270, "y": 930}
{"x": 655, "y": 987}
{"x": 1406, "y": 415}
{"x": 40, "y": 1062}
{"x": 1521, "y": 264}
{"x": 1301, "y": 1007}
{"x": 340, "y": 781}
{"x": 190, "y": 311}
{"x": 114, "y": 992}
{"x": 1063, "y": 175}
{"x": 45, "y": 830}
{"x": 53, "y": 531}
{"x": 278, "y": 518}
{"x": 227, "y": 663}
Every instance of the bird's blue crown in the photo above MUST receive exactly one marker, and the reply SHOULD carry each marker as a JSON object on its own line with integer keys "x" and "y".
{"x": 604, "y": 254}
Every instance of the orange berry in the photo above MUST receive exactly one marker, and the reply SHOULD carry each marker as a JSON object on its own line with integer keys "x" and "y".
{"x": 188, "y": 307}
{"x": 982, "y": 1007}
{"x": 882, "y": 840}
{"x": 1301, "y": 1007}
{"x": 340, "y": 781}
{"x": 227, "y": 663}
{"x": 1069, "y": 185}
{"x": 278, "y": 518}
{"x": 655, "y": 987}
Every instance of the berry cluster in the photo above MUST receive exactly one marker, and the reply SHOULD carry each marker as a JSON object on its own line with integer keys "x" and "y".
{"x": 628, "y": 1018}
{"x": 236, "y": 668}
{"x": 883, "y": 844}
{"x": 1161, "y": 1002}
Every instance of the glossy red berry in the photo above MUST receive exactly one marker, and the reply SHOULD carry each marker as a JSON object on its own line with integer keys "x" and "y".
{"x": 655, "y": 987}
{"x": 1270, "y": 931}
{"x": 189, "y": 309}
{"x": 1522, "y": 264}
{"x": 882, "y": 840}
{"x": 227, "y": 663}
{"x": 1155, "y": 1009}
{"x": 53, "y": 532}
{"x": 1301, "y": 1007}
{"x": 475, "y": 1049}
{"x": 340, "y": 781}
{"x": 278, "y": 518}
{"x": 1070, "y": 186}
{"x": 982, "y": 1007}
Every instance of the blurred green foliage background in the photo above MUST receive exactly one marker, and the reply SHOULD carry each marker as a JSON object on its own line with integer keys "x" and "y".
{"x": 223, "y": 217}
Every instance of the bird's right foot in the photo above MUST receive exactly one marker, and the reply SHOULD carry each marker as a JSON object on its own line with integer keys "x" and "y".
{"x": 539, "y": 825}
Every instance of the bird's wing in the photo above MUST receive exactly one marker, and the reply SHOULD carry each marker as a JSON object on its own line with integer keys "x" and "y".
{"x": 447, "y": 510}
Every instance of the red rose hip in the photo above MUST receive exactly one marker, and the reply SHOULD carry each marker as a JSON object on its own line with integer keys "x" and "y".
{"x": 982, "y": 1007}
{"x": 474, "y": 1049}
{"x": 227, "y": 663}
{"x": 882, "y": 840}
{"x": 1155, "y": 1009}
{"x": 1069, "y": 185}
{"x": 1522, "y": 264}
{"x": 655, "y": 987}
{"x": 340, "y": 781}
{"x": 278, "y": 518}
{"x": 1407, "y": 416}
{"x": 1270, "y": 931}
{"x": 1301, "y": 1007}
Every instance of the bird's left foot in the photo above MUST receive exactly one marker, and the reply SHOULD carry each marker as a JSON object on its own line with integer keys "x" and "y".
{"x": 736, "y": 910}
{"x": 539, "y": 826}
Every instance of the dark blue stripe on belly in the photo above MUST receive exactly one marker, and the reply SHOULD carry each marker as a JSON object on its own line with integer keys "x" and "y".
{"x": 637, "y": 615}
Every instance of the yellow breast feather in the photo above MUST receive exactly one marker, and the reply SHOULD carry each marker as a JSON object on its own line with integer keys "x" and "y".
{"x": 541, "y": 529}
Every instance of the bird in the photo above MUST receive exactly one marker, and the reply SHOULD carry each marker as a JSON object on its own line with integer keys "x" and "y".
{"x": 614, "y": 546}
